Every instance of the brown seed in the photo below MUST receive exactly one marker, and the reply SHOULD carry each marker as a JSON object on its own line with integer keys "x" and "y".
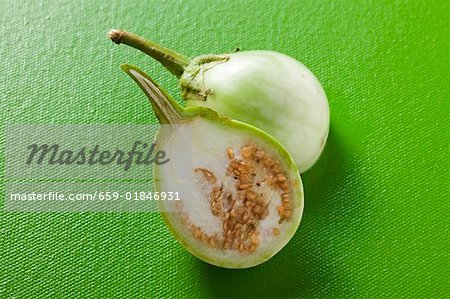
{"x": 233, "y": 213}
{"x": 220, "y": 196}
{"x": 284, "y": 186}
{"x": 213, "y": 194}
{"x": 276, "y": 231}
{"x": 243, "y": 169}
{"x": 230, "y": 153}
{"x": 245, "y": 217}
{"x": 244, "y": 179}
{"x": 259, "y": 154}
{"x": 250, "y": 195}
{"x": 286, "y": 200}
{"x": 241, "y": 210}
{"x": 241, "y": 247}
{"x": 222, "y": 215}
{"x": 265, "y": 213}
{"x": 204, "y": 237}
{"x": 244, "y": 186}
{"x": 257, "y": 209}
{"x": 286, "y": 204}
{"x": 287, "y": 214}
{"x": 254, "y": 239}
{"x": 198, "y": 233}
{"x": 183, "y": 218}
{"x": 234, "y": 205}
{"x": 252, "y": 248}
{"x": 268, "y": 161}
{"x": 281, "y": 178}
{"x": 226, "y": 244}
{"x": 212, "y": 241}
{"x": 207, "y": 174}
{"x": 242, "y": 163}
{"x": 246, "y": 152}
{"x": 271, "y": 180}
{"x": 276, "y": 168}
{"x": 231, "y": 223}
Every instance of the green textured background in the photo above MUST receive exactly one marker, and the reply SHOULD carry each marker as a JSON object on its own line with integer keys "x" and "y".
{"x": 376, "y": 219}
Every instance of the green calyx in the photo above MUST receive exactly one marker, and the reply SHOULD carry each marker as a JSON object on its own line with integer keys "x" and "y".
{"x": 165, "y": 107}
{"x": 191, "y": 81}
{"x": 189, "y": 72}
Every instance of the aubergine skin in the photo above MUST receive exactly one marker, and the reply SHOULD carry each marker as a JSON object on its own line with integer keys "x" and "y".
{"x": 266, "y": 89}
{"x": 222, "y": 219}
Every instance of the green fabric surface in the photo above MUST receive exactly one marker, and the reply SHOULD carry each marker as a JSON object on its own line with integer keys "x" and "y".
{"x": 376, "y": 219}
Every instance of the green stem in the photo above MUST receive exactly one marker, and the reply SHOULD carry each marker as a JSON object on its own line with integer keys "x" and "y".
{"x": 166, "y": 109}
{"x": 172, "y": 61}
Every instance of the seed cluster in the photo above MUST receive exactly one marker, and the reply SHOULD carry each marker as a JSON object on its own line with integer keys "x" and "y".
{"x": 242, "y": 210}
{"x": 274, "y": 176}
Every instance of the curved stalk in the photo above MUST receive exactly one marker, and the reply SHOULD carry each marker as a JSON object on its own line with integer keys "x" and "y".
{"x": 172, "y": 61}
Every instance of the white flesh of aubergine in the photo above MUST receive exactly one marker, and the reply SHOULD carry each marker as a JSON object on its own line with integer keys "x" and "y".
{"x": 268, "y": 90}
{"x": 243, "y": 200}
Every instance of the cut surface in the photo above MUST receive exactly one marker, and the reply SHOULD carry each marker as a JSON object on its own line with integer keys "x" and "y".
{"x": 241, "y": 199}
{"x": 245, "y": 201}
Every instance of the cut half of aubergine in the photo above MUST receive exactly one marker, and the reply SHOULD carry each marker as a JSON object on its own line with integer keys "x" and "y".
{"x": 241, "y": 196}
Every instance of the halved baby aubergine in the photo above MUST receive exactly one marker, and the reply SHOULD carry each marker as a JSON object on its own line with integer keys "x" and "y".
{"x": 244, "y": 196}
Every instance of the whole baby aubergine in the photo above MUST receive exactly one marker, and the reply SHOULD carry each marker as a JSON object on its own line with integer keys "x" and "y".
{"x": 245, "y": 199}
{"x": 266, "y": 89}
